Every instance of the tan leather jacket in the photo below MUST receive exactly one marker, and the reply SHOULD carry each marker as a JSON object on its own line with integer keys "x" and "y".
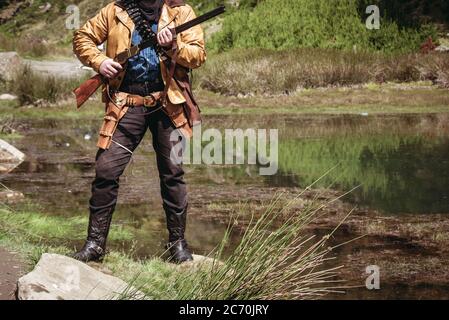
{"x": 112, "y": 24}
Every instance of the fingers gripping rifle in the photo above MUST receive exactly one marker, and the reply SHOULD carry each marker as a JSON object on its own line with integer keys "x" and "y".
{"x": 90, "y": 86}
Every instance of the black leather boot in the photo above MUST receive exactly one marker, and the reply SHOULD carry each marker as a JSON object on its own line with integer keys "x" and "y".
{"x": 179, "y": 252}
{"x": 95, "y": 247}
{"x": 177, "y": 246}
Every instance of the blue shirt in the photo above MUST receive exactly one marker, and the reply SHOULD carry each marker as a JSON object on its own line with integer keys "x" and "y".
{"x": 145, "y": 67}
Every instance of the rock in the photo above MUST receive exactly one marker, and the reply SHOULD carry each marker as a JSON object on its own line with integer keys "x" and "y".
{"x": 197, "y": 259}
{"x": 10, "y": 157}
{"x": 7, "y": 97}
{"x": 100, "y": 267}
{"x": 198, "y": 262}
{"x": 9, "y": 62}
{"x": 442, "y": 49}
{"x": 61, "y": 69}
{"x": 10, "y": 196}
{"x": 57, "y": 277}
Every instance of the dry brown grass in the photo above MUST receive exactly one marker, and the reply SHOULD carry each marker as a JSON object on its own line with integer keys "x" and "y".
{"x": 26, "y": 45}
{"x": 33, "y": 88}
{"x": 373, "y": 98}
{"x": 270, "y": 72}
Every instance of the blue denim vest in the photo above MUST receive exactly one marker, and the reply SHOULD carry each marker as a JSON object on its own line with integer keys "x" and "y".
{"x": 144, "y": 67}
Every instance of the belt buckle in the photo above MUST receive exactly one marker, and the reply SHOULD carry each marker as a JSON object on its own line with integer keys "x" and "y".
{"x": 148, "y": 104}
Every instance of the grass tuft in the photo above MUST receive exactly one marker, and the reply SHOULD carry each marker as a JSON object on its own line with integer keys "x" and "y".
{"x": 275, "y": 259}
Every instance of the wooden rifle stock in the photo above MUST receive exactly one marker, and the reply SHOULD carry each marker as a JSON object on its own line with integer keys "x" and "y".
{"x": 88, "y": 88}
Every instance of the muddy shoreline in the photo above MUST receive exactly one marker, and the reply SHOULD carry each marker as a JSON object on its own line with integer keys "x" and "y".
{"x": 11, "y": 268}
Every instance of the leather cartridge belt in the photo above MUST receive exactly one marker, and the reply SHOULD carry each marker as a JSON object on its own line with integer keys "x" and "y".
{"x": 133, "y": 100}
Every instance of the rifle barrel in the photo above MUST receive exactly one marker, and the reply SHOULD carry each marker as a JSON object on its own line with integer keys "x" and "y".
{"x": 200, "y": 19}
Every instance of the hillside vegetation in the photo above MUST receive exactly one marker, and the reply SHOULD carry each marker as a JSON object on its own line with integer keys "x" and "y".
{"x": 36, "y": 30}
{"x": 288, "y": 24}
{"x": 270, "y": 24}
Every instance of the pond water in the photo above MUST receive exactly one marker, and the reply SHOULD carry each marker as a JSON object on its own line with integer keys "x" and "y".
{"x": 400, "y": 163}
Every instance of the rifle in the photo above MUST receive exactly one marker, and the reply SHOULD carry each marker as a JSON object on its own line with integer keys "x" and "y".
{"x": 90, "y": 86}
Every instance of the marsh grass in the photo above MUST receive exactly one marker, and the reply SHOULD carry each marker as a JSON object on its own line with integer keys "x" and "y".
{"x": 32, "y": 88}
{"x": 276, "y": 258}
{"x": 35, "y": 227}
{"x": 276, "y": 264}
{"x": 31, "y": 46}
{"x": 32, "y": 233}
{"x": 268, "y": 72}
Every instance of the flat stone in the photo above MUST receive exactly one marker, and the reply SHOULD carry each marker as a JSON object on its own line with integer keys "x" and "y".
{"x": 7, "y": 97}
{"x": 10, "y": 157}
{"x": 10, "y": 196}
{"x": 442, "y": 49}
{"x": 70, "y": 68}
{"x": 58, "y": 277}
{"x": 198, "y": 259}
{"x": 198, "y": 262}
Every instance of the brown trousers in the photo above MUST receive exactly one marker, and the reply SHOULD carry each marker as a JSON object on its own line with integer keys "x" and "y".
{"x": 111, "y": 163}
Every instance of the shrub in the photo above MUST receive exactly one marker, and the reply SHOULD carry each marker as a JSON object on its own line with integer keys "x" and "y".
{"x": 435, "y": 67}
{"x": 33, "y": 88}
{"x": 287, "y": 24}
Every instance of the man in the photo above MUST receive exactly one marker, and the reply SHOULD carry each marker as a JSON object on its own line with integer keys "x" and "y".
{"x": 150, "y": 92}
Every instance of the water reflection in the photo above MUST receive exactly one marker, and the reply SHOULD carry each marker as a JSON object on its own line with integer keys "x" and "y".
{"x": 401, "y": 166}
{"x": 400, "y": 161}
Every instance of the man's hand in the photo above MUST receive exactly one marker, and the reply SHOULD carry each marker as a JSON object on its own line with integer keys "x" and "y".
{"x": 110, "y": 69}
{"x": 165, "y": 37}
